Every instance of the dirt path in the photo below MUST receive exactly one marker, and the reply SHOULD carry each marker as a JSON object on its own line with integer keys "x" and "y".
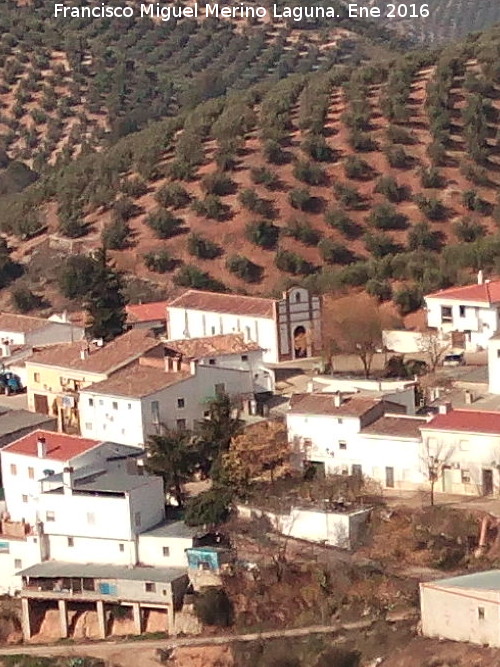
{"x": 128, "y": 653}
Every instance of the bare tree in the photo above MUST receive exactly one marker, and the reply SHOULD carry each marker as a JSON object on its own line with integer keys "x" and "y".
{"x": 435, "y": 459}
{"x": 433, "y": 346}
{"x": 356, "y": 330}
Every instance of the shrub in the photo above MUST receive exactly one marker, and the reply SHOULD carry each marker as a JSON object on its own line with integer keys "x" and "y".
{"x": 380, "y": 245}
{"x": 362, "y": 142}
{"x": 356, "y": 168}
{"x": 213, "y": 607}
{"x": 210, "y": 207}
{"x": 473, "y": 202}
{"x": 408, "y": 299}
{"x": 301, "y": 230}
{"x": 24, "y": 300}
{"x": 180, "y": 170}
{"x": 397, "y": 157}
{"x": 264, "y": 176}
{"x": 380, "y": 289}
{"x": 115, "y": 235}
{"x": 134, "y": 187}
{"x": 387, "y": 186}
{"x": 172, "y": 194}
{"x": 124, "y": 208}
{"x": 348, "y": 195}
{"x": 244, "y": 268}
{"x": 290, "y": 262}
{"x": 76, "y": 276}
{"x": 200, "y": 247}
{"x": 273, "y": 153}
{"x": 385, "y": 216}
{"x": 431, "y": 178}
{"x": 263, "y": 233}
{"x": 309, "y": 173}
{"x": 335, "y": 253}
{"x": 468, "y": 230}
{"x": 316, "y": 147}
{"x": 217, "y": 184}
{"x": 159, "y": 262}
{"x": 421, "y": 237}
{"x": 300, "y": 199}
{"x": 338, "y": 219}
{"x": 398, "y": 135}
{"x": 191, "y": 276}
{"x": 431, "y": 207}
{"x": 251, "y": 200}
{"x": 164, "y": 223}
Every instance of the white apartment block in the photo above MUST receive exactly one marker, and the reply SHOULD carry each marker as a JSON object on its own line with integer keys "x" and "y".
{"x": 286, "y": 329}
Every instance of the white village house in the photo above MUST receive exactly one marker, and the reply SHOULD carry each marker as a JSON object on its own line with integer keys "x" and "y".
{"x": 171, "y": 385}
{"x": 287, "y": 328}
{"x": 470, "y": 314}
{"x": 464, "y": 608}
{"x": 359, "y": 435}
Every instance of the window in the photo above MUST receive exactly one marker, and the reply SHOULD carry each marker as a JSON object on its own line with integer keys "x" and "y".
{"x": 213, "y": 331}
{"x": 13, "y": 469}
{"x": 25, "y": 499}
{"x": 149, "y": 587}
{"x": 206, "y": 414}
{"x": 166, "y": 551}
{"x": 129, "y": 406}
{"x": 101, "y": 402}
{"x": 91, "y": 402}
{"x": 340, "y": 420}
{"x": 480, "y": 613}
{"x": 115, "y": 405}
{"x": 357, "y": 471}
{"x": 181, "y": 424}
{"x": 137, "y": 519}
{"x": 244, "y": 357}
{"x": 50, "y": 516}
{"x": 446, "y": 314}
{"x": 71, "y": 541}
{"x": 211, "y": 362}
{"x": 297, "y": 297}
{"x": 31, "y": 473}
{"x": 461, "y": 310}
{"x": 90, "y": 518}
{"x": 88, "y": 426}
{"x": 465, "y": 477}
{"x": 36, "y": 377}
{"x": 220, "y": 389}
{"x": 342, "y": 444}
{"x": 18, "y": 563}
{"x": 180, "y": 402}
{"x": 344, "y": 470}
{"x": 121, "y": 547}
{"x": 155, "y": 412}
{"x": 498, "y": 354}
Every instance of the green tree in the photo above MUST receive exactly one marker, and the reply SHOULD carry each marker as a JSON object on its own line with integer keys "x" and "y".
{"x": 216, "y": 432}
{"x": 76, "y": 276}
{"x": 105, "y": 302}
{"x": 173, "y": 455}
{"x": 210, "y": 508}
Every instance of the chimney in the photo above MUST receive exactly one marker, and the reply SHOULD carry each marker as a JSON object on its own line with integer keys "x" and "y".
{"x": 41, "y": 447}
{"x": 480, "y": 277}
{"x": 445, "y": 408}
{"x": 337, "y": 399}
{"x": 67, "y": 477}
{"x": 192, "y": 367}
{"x": 6, "y": 348}
{"x": 84, "y": 353}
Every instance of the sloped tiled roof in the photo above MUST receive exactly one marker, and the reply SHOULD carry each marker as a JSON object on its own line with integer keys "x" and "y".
{"x": 468, "y": 421}
{"x": 396, "y": 426}
{"x": 60, "y": 446}
{"x": 122, "y": 350}
{"x": 235, "y": 304}
{"x": 212, "y": 346}
{"x": 147, "y": 312}
{"x": 323, "y": 404}
{"x": 136, "y": 381}
{"x": 486, "y": 293}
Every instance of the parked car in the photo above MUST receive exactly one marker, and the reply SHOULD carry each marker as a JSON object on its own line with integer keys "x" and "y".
{"x": 457, "y": 359}
{"x": 10, "y": 383}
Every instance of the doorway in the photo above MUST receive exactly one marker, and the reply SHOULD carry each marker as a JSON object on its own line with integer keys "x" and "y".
{"x": 41, "y": 404}
{"x": 389, "y": 478}
{"x": 487, "y": 482}
{"x": 447, "y": 479}
{"x": 299, "y": 343}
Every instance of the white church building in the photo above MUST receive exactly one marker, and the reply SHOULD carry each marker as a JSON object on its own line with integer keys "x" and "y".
{"x": 288, "y": 328}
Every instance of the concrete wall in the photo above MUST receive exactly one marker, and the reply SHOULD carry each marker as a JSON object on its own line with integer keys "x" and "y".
{"x": 333, "y": 528}
{"x": 15, "y": 555}
{"x": 262, "y": 379}
{"x": 149, "y": 501}
{"x": 182, "y": 323}
{"x": 55, "y": 332}
{"x": 151, "y": 550}
{"x": 98, "y": 550}
{"x": 453, "y": 614}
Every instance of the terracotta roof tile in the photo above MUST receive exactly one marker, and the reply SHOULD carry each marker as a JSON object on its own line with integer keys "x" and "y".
{"x": 214, "y": 302}
{"x": 147, "y": 312}
{"x": 468, "y": 421}
{"x": 21, "y": 323}
{"x": 60, "y": 446}
{"x": 486, "y": 293}
{"x": 119, "y": 352}
{"x": 212, "y": 346}
{"x": 136, "y": 381}
{"x": 323, "y": 404}
{"x": 392, "y": 426}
